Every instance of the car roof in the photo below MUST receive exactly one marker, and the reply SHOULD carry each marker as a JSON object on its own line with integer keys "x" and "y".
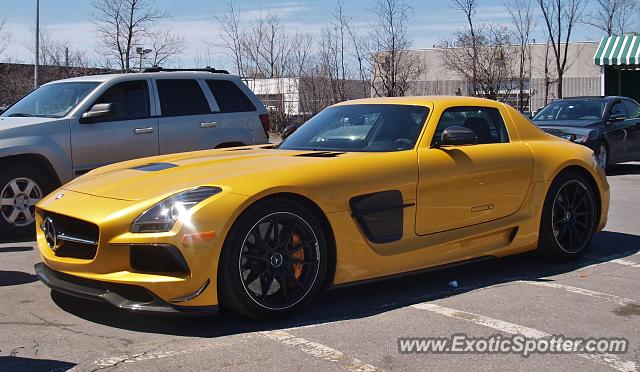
{"x": 423, "y": 101}
{"x": 145, "y": 75}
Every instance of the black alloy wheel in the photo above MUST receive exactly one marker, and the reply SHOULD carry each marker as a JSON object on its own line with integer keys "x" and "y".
{"x": 274, "y": 260}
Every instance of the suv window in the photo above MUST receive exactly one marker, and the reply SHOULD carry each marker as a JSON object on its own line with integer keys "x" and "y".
{"x": 485, "y": 121}
{"x": 130, "y": 100}
{"x": 633, "y": 109}
{"x": 229, "y": 96}
{"x": 180, "y": 97}
{"x": 618, "y": 109}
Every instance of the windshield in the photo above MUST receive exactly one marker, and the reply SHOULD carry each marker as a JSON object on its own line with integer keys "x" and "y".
{"x": 51, "y": 100}
{"x": 368, "y": 127}
{"x": 572, "y": 110}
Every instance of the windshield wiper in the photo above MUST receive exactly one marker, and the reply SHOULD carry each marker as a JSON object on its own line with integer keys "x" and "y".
{"x": 19, "y": 115}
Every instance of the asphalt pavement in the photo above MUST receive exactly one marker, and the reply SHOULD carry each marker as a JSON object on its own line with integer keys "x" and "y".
{"x": 353, "y": 328}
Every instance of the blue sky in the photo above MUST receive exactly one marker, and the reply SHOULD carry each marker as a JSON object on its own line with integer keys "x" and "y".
{"x": 70, "y": 20}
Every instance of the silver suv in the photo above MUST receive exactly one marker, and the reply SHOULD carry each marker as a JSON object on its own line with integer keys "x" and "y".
{"x": 66, "y": 128}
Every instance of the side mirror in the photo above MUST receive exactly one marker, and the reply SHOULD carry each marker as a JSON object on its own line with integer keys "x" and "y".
{"x": 287, "y": 131}
{"x": 458, "y": 136}
{"x": 98, "y": 112}
{"x": 617, "y": 117}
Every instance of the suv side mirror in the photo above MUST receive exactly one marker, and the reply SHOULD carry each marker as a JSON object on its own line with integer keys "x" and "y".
{"x": 616, "y": 117}
{"x": 97, "y": 112}
{"x": 458, "y": 136}
{"x": 287, "y": 131}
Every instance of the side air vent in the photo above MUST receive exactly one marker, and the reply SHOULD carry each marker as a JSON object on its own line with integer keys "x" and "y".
{"x": 241, "y": 149}
{"x": 154, "y": 167}
{"x": 321, "y": 154}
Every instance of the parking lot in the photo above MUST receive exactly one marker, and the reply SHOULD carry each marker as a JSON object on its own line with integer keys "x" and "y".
{"x": 354, "y": 328}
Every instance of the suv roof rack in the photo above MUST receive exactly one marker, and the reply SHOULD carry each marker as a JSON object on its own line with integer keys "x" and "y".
{"x": 584, "y": 97}
{"x": 206, "y": 69}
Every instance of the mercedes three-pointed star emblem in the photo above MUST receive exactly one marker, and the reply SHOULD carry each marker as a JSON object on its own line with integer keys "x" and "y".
{"x": 50, "y": 233}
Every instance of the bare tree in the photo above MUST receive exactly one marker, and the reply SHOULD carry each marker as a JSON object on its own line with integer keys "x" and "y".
{"x": 560, "y": 18}
{"x": 613, "y": 16}
{"x": 470, "y": 8}
{"x": 394, "y": 66}
{"x": 5, "y": 36}
{"x": 523, "y": 24}
{"x": 166, "y": 46}
{"x": 231, "y": 34}
{"x": 124, "y": 25}
{"x": 494, "y": 68}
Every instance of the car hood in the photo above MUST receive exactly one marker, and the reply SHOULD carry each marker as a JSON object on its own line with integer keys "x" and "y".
{"x": 567, "y": 123}
{"x": 560, "y": 131}
{"x": 7, "y": 123}
{"x": 241, "y": 170}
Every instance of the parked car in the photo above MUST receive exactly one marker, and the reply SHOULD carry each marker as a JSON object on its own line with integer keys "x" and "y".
{"x": 67, "y": 128}
{"x": 610, "y": 126}
{"x": 435, "y": 181}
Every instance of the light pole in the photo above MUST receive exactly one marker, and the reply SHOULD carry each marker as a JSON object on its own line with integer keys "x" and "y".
{"x": 142, "y": 52}
{"x": 36, "y": 66}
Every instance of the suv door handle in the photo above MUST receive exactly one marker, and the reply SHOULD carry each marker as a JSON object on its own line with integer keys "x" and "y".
{"x": 210, "y": 124}
{"x": 145, "y": 130}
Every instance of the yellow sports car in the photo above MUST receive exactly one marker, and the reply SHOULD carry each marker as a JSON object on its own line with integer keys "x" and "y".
{"x": 365, "y": 190}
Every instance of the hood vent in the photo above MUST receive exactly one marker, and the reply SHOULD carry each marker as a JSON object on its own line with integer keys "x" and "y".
{"x": 321, "y": 154}
{"x": 154, "y": 167}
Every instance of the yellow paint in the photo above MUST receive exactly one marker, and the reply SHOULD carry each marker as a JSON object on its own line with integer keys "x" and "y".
{"x": 451, "y": 189}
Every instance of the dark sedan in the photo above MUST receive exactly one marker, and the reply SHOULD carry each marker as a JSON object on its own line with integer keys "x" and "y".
{"x": 610, "y": 126}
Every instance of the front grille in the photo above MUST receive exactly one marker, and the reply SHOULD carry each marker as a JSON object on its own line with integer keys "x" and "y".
{"x": 80, "y": 251}
{"x": 75, "y": 238}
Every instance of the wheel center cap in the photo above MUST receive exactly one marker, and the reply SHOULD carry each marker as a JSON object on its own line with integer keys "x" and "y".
{"x": 21, "y": 202}
{"x": 276, "y": 260}
{"x": 567, "y": 216}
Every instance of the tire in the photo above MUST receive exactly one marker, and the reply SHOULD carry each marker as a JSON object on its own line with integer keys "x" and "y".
{"x": 21, "y": 186}
{"x": 602, "y": 154}
{"x": 267, "y": 279}
{"x": 569, "y": 218}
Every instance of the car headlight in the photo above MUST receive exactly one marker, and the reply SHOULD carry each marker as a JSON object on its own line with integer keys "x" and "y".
{"x": 162, "y": 216}
{"x": 577, "y": 138}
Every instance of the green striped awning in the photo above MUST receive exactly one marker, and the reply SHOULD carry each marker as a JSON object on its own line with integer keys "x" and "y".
{"x": 618, "y": 50}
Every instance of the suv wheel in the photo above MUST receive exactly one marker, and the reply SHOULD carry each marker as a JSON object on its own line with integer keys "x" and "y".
{"x": 21, "y": 187}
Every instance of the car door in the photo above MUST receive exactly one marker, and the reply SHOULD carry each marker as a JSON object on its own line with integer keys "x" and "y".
{"x": 460, "y": 186}
{"x": 633, "y": 112}
{"x": 238, "y": 114}
{"x": 187, "y": 120}
{"x": 619, "y": 133}
{"x": 129, "y": 132}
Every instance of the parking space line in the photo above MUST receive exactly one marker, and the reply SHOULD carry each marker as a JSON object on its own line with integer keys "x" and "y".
{"x": 609, "y": 360}
{"x": 319, "y": 351}
{"x": 614, "y": 258}
{"x": 582, "y": 291}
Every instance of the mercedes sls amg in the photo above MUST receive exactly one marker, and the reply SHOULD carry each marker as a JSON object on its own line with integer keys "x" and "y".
{"x": 364, "y": 190}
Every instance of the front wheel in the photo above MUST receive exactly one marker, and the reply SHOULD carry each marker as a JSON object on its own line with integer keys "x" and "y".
{"x": 21, "y": 187}
{"x": 602, "y": 155}
{"x": 273, "y": 262}
{"x": 569, "y": 218}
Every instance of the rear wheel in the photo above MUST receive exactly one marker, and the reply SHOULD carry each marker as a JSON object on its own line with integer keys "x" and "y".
{"x": 568, "y": 218}
{"x": 274, "y": 260}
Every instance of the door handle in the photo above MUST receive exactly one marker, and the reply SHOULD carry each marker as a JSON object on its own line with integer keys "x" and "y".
{"x": 143, "y": 130}
{"x": 210, "y": 124}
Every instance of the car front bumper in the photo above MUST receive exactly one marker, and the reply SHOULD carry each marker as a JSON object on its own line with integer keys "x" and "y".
{"x": 123, "y": 296}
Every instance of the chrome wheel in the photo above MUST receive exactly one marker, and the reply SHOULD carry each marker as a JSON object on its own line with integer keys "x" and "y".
{"x": 17, "y": 201}
{"x": 573, "y": 216}
{"x": 602, "y": 156}
{"x": 279, "y": 261}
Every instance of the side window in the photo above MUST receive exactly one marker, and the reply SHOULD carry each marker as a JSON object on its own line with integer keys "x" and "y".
{"x": 229, "y": 96}
{"x": 618, "y": 109}
{"x": 179, "y": 97}
{"x": 633, "y": 109}
{"x": 485, "y": 121}
{"x": 130, "y": 100}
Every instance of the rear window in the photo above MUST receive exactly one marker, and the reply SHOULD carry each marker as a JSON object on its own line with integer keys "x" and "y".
{"x": 230, "y": 97}
{"x": 179, "y": 97}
